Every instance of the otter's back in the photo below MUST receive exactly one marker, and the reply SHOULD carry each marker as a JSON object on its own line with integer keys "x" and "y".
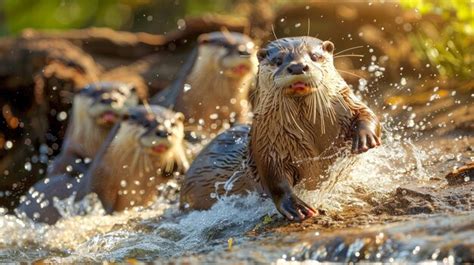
{"x": 217, "y": 170}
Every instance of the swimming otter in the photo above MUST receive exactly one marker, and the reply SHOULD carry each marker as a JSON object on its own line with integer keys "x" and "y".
{"x": 303, "y": 114}
{"x": 95, "y": 110}
{"x": 213, "y": 87}
{"x": 140, "y": 153}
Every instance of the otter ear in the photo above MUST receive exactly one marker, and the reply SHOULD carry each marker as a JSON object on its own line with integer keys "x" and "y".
{"x": 328, "y": 46}
{"x": 179, "y": 117}
{"x": 125, "y": 116}
{"x": 203, "y": 39}
{"x": 261, "y": 54}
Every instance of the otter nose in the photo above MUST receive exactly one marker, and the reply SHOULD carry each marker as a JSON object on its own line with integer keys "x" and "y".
{"x": 243, "y": 53}
{"x": 162, "y": 134}
{"x": 297, "y": 68}
{"x": 106, "y": 100}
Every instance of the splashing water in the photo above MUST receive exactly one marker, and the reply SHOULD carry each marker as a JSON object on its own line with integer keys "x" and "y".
{"x": 162, "y": 231}
{"x": 362, "y": 180}
{"x": 157, "y": 231}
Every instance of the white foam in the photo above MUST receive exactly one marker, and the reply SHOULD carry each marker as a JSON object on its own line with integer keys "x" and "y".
{"x": 354, "y": 181}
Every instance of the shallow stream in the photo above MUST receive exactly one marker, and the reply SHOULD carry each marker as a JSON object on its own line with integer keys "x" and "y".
{"x": 390, "y": 204}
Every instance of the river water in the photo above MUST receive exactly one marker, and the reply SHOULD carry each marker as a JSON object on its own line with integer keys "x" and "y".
{"x": 372, "y": 209}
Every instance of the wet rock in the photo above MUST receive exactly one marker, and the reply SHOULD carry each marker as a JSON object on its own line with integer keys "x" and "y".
{"x": 462, "y": 175}
{"x": 408, "y": 201}
{"x": 428, "y": 200}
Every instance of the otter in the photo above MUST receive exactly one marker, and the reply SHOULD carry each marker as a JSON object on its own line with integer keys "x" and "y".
{"x": 213, "y": 85}
{"x": 141, "y": 152}
{"x": 96, "y": 108}
{"x": 304, "y": 114}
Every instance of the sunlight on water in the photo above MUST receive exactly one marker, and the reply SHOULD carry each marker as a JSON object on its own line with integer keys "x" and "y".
{"x": 358, "y": 180}
{"x": 157, "y": 231}
{"x": 176, "y": 234}
{"x": 436, "y": 238}
{"x": 161, "y": 230}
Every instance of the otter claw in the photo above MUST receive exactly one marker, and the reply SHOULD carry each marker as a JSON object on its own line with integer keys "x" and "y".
{"x": 294, "y": 209}
{"x": 364, "y": 139}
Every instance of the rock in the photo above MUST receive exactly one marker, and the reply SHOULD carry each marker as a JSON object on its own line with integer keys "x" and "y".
{"x": 462, "y": 175}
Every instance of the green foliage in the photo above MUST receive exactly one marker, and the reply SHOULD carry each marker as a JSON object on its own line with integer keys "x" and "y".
{"x": 117, "y": 14}
{"x": 448, "y": 45}
{"x": 63, "y": 14}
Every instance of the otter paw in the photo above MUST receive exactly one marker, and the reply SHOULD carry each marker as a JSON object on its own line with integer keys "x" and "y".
{"x": 364, "y": 138}
{"x": 294, "y": 209}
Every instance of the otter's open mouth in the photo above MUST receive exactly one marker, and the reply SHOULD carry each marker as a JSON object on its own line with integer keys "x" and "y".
{"x": 108, "y": 118}
{"x": 299, "y": 88}
{"x": 240, "y": 69}
{"x": 160, "y": 148}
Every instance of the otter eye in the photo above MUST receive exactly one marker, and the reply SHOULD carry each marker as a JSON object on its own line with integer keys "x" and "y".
{"x": 316, "y": 57}
{"x": 278, "y": 60}
{"x": 162, "y": 134}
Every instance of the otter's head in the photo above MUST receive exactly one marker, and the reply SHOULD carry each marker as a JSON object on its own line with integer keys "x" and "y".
{"x": 104, "y": 103}
{"x": 298, "y": 67}
{"x": 160, "y": 130}
{"x": 232, "y": 54}
{"x": 150, "y": 138}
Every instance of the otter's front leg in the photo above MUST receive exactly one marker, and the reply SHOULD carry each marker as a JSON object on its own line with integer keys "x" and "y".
{"x": 280, "y": 188}
{"x": 365, "y": 134}
{"x": 365, "y": 129}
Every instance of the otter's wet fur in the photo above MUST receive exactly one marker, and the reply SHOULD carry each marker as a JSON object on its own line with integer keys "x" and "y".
{"x": 303, "y": 110}
{"x": 130, "y": 172}
{"x": 126, "y": 170}
{"x": 212, "y": 95}
{"x": 85, "y": 134}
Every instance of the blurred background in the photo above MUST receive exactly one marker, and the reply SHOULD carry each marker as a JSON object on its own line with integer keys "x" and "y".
{"x": 400, "y": 56}
{"x": 439, "y": 31}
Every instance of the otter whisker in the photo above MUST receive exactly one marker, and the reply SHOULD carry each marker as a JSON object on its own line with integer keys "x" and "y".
{"x": 228, "y": 35}
{"x": 329, "y": 107}
{"x": 147, "y": 162}
{"x": 274, "y": 34}
{"x": 290, "y": 113}
{"x": 321, "y": 111}
{"x": 338, "y": 97}
{"x": 347, "y": 72}
{"x": 349, "y": 55}
{"x": 348, "y": 49}
{"x": 181, "y": 159}
{"x": 147, "y": 106}
{"x": 309, "y": 26}
{"x": 136, "y": 156}
{"x": 276, "y": 38}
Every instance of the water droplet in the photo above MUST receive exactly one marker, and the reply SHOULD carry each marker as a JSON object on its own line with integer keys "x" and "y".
{"x": 403, "y": 81}
{"x": 181, "y": 24}
{"x": 8, "y": 145}
{"x": 28, "y": 166}
{"x": 187, "y": 87}
{"x": 62, "y": 116}
{"x": 123, "y": 183}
